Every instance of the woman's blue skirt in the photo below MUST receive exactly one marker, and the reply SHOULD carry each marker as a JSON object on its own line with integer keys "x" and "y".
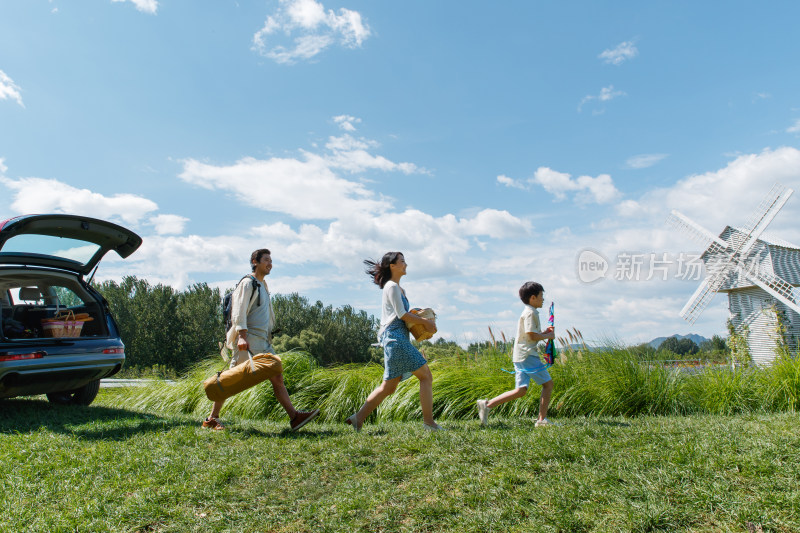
{"x": 400, "y": 358}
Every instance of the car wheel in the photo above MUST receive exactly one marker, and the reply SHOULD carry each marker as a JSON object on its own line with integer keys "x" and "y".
{"x": 83, "y": 396}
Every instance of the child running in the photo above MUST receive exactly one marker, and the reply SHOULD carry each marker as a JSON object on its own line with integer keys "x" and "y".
{"x": 526, "y": 359}
{"x": 400, "y": 358}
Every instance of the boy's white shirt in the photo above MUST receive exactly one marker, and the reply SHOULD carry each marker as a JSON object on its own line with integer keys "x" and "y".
{"x": 245, "y": 299}
{"x": 528, "y": 323}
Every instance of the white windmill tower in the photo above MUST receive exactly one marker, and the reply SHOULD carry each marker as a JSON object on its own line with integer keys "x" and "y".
{"x": 758, "y": 274}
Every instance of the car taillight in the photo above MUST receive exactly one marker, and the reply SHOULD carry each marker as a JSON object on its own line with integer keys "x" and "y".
{"x": 114, "y": 350}
{"x": 21, "y": 356}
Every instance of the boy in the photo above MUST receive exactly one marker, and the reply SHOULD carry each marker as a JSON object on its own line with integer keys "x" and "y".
{"x": 526, "y": 357}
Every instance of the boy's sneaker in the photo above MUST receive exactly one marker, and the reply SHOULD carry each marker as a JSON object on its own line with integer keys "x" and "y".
{"x": 483, "y": 411}
{"x": 302, "y": 418}
{"x": 543, "y": 422}
{"x": 434, "y": 427}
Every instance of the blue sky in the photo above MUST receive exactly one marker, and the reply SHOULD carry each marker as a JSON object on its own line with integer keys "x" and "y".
{"x": 492, "y": 143}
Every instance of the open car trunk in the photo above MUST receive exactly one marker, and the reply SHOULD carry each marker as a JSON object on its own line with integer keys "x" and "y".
{"x": 30, "y": 300}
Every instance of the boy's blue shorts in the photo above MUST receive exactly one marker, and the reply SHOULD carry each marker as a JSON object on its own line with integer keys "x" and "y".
{"x": 531, "y": 368}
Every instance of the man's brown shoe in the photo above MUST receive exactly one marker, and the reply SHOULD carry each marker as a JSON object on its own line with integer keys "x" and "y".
{"x": 302, "y": 418}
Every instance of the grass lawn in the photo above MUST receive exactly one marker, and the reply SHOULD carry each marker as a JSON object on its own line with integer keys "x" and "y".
{"x": 109, "y": 468}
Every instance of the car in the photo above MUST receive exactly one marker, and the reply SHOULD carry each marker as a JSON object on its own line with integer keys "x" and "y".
{"x": 57, "y": 335}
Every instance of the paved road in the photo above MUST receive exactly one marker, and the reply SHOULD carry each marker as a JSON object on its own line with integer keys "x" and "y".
{"x": 110, "y": 383}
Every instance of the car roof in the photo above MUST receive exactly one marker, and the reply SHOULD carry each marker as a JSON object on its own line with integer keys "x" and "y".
{"x": 55, "y": 240}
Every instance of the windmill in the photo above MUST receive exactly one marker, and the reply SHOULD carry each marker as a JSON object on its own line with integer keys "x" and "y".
{"x": 758, "y": 274}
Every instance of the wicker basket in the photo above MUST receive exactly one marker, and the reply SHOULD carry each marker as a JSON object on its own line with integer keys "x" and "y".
{"x": 418, "y": 330}
{"x": 64, "y": 324}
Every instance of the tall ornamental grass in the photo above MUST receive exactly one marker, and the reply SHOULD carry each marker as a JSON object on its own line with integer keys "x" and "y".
{"x": 783, "y": 390}
{"x": 609, "y": 382}
{"x": 722, "y": 391}
{"x": 614, "y": 382}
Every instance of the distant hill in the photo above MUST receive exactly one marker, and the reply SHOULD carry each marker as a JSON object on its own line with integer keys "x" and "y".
{"x": 655, "y": 343}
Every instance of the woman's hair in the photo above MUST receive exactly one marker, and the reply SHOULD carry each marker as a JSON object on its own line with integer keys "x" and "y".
{"x": 381, "y": 272}
{"x": 528, "y": 289}
{"x": 256, "y": 256}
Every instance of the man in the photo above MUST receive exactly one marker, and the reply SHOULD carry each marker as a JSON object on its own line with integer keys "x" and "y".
{"x": 252, "y": 322}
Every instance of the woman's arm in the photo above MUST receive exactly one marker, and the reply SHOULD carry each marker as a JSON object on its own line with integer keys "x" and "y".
{"x": 410, "y": 319}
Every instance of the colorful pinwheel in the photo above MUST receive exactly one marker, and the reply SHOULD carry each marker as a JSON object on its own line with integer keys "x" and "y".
{"x": 550, "y": 351}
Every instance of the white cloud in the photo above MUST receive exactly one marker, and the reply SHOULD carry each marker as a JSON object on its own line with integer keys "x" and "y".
{"x": 586, "y": 189}
{"x": 644, "y": 160}
{"x": 620, "y": 53}
{"x": 39, "y": 195}
{"x": 726, "y": 196}
{"x": 169, "y": 224}
{"x": 606, "y": 94}
{"x": 145, "y": 6}
{"x": 795, "y": 128}
{"x": 630, "y": 208}
{"x": 310, "y": 30}
{"x": 510, "y": 182}
{"x": 599, "y": 190}
{"x": 436, "y": 248}
{"x": 410, "y": 229}
{"x": 495, "y": 224}
{"x": 346, "y": 122}
{"x": 9, "y": 89}
{"x": 174, "y": 259}
{"x": 350, "y": 154}
{"x": 729, "y": 195}
{"x": 304, "y": 188}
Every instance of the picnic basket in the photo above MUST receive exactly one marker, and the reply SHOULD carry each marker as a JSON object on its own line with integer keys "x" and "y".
{"x": 64, "y": 324}
{"x": 418, "y": 330}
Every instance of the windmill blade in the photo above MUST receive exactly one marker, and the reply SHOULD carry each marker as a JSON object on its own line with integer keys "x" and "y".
{"x": 699, "y": 300}
{"x": 703, "y": 295}
{"x": 763, "y": 215}
{"x": 697, "y": 232}
{"x": 775, "y": 286}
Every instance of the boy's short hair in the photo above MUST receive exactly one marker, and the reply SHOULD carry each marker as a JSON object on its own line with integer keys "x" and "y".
{"x": 528, "y": 289}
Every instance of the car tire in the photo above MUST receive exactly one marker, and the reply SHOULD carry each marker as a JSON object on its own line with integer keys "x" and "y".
{"x": 83, "y": 396}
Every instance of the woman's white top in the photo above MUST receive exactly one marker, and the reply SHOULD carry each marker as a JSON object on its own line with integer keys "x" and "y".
{"x": 391, "y": 304}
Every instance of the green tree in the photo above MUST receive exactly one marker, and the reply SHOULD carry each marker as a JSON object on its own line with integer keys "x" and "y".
{"x": 160, "y": 326}
{"x": 347, "y": 334}
{"x": 199, "y": 316}
{"x": 644, "y": 352}
{"x": 716, "y": 343}
{"x": 308, "y": 341}
{"x": 682, "y": 347}
{"x": 440, "y": 348}
{"x": 146, "y": 316}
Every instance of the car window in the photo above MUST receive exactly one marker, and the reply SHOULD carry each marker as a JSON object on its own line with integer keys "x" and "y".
{"x": 67, "y": 298}
{"x": 73, "y": 249}
{"x": 51, "y": 295}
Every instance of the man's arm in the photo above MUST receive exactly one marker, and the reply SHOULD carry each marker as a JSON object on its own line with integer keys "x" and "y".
{"x": 240, "y": 300}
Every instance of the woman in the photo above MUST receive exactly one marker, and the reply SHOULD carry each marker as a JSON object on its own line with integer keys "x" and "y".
{"x": 400, "y": 358}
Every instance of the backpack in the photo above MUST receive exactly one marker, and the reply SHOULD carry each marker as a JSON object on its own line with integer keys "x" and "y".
{"x": 227, "y": 301}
